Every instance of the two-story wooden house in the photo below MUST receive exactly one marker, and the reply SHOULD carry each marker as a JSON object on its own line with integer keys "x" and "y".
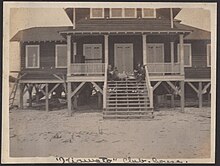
{"x": 177, "y": 58}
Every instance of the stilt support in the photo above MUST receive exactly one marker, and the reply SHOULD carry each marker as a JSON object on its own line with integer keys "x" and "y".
{"x": 21, "y": 86}
{"x": 30, "y": 89}
{"x": 182, "y": 96}
{"x": 69, "y": 97}
{"x": 200, "y": 94}
{"x": 47, "y": 97}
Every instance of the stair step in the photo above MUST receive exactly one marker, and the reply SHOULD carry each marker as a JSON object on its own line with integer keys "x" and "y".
{"x": 126, "y": 83}
{"x": 127, "y": 87}
{"x": 139, "y": 111}
{"x": 128, "y": 80}
{"x": 127, "y": 100}
{"x": 123, "y": 108}
{"x": 125, "y": 116}
{"x": 126, "y": 97}
{"x": 128, "y": 94}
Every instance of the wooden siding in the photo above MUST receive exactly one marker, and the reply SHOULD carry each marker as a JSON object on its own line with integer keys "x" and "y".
{"x": 47, "y": 61}
{"x": 199, "y": 67}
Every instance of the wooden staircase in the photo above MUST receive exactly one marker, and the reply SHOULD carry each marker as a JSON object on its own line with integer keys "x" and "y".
{"x": 127, "y": 100}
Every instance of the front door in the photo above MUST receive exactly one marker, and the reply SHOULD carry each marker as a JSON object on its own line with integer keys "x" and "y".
{"x": 124, "y": 57}
{"x": 92, "y": 53}
{"x": 155, "y": 53}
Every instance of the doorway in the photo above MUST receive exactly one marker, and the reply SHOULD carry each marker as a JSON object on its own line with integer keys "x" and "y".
{"x": 124, "y": 57}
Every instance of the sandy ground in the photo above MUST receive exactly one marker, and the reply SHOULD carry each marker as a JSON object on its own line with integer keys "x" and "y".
{"x": 171, "y": 134}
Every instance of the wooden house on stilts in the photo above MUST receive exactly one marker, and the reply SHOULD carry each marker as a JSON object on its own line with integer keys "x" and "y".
{"x": 75, "y": 59}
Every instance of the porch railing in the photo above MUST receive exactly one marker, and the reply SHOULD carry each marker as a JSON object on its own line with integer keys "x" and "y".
{"x": 87, "y": 68}
{"x": 163, "y": 68}
{"x": 149, "y": 87}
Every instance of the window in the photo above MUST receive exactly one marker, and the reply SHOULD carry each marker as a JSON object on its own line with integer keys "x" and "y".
{"x": 32, "y": 56}
{"x": 208, "y": 55}
{"x": 96, "y": 13}
{"x": 123, "y": 13}
{"x": 148, "y": 13}
{"x": 92, "y": 53}
{"x": 61, "y": 56}
{"x": 130, "y": 13}
{"x": 187, "y": 54}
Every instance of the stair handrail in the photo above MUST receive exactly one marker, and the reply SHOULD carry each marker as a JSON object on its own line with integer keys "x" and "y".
{"x": 105, "y": 86}
{"x": 149, "y": 87}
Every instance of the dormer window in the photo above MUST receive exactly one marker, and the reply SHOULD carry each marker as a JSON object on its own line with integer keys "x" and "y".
{"x": 123, "y": 13}
{"x": 96, "y": 13}
{"x": 148, "y": 13}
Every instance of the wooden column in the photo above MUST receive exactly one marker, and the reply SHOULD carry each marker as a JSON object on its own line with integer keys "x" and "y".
{"x": 200, "y": 94}
{"x": 74, "y": 52}
{"x": 68, "y": 54}
{"x": 75, "y": 101}
{"x": 182, "y": 96}
{"x": 99, "y": 100}
{"x": 30, "y": 89}
{"x": 172, "y": 101}
{"x": 37, "y": 93}
{"x": 172, "y": 55}
{"x": 47, "y": 97}
{"x": 21, "y": 88}
{"x": 106, "y": 63}
{"x": 69, "y": 98}
{"x": 171, "y": 17}
{"x": 181, "y": 54}
{"x": 144, "y": 49}
{"x": 106, "y": 48}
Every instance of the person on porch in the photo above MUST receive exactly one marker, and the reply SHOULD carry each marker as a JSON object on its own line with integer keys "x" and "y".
{"x": 115, "y": 74}
{"x": 140, "y": 73}
{"x": 110, "y": 73}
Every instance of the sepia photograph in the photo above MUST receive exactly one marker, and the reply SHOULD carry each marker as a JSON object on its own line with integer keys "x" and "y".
{"x": 109, "y": 82}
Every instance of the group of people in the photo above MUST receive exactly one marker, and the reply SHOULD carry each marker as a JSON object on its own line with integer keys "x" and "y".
{"x": 114, "y": 75}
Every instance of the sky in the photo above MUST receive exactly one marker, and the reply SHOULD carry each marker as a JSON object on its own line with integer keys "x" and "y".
{"x": 23, "y": 18}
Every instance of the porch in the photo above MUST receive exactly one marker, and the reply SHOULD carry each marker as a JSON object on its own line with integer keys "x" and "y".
{"x": 88, "y": 57}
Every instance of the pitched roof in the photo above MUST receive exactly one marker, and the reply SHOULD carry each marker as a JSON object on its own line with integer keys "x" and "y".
{"x": 40, "y": 34}
{"x": 52, "y": 33}
{"x": 197, "y": 34}
{"x": 125, "y": 25}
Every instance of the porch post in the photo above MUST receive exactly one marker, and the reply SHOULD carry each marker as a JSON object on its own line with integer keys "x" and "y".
{"x": 172, "y": 55}
{"x": 144, "y": 49}
{"x": 47, "y": 97}
{"x": 200, "y": 94}
{"x": 182, "y": 96}
{"x": 69, "y": 98}
{"x": 68, "y": 54}
{"x": 30, "y": 89}
{"x": 181, "y": 55}
{"x": 21, "y": 88}
{"x": 106, "y": 49}
{"x": 106, "y": 63}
